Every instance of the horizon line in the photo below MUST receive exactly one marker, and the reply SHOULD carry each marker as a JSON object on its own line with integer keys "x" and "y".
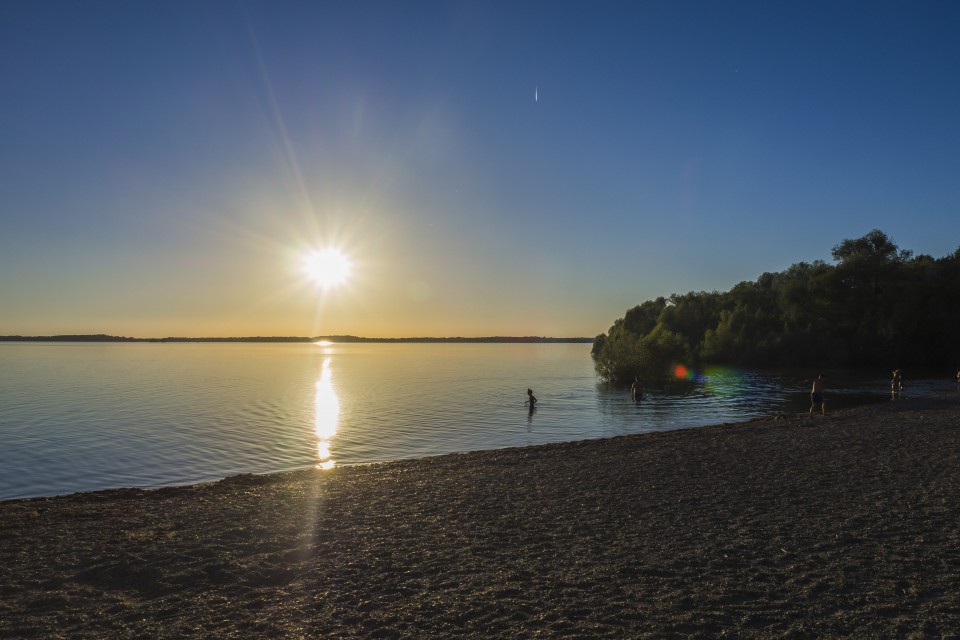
{"x": 342, "y": 338}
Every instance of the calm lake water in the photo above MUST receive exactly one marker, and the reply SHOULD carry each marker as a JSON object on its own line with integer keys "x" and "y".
{"x": 85, "y": 416}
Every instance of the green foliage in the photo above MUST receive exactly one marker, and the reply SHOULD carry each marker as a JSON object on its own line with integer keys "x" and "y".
{"x": 876, "y": 305}
{"x": 622, "y": 354}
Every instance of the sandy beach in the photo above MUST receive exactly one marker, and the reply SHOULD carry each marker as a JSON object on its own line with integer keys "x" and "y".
{"x": 836, "y": 526}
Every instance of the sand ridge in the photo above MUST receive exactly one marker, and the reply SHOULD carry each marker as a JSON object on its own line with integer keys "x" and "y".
{"x": 843, "y": 526}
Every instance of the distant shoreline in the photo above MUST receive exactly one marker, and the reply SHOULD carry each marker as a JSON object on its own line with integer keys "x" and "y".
{"x": 296, "y": 339}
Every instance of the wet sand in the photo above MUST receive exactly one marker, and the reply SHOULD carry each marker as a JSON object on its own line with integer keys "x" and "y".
{"x": 843, "y": 526}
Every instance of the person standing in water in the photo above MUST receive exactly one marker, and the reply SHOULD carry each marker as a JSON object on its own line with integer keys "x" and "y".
{"x": 531, "y": 399}
{"x": 636, "y": 389}
{"x": 816, "y": 395}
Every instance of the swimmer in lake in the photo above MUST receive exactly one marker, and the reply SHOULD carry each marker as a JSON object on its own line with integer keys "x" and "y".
{"x": 531, "y": 399}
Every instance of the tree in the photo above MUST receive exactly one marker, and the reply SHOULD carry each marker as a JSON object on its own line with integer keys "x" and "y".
{"x": 622, "y": 354}
{"x": 877, "y": 305}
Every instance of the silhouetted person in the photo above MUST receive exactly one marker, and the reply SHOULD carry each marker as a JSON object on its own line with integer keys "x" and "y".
{"x": 896, "y": 384}
{"x": 816, "y": 396}
{"x": 636, "y": 389}
{"x": 531, "y": 400}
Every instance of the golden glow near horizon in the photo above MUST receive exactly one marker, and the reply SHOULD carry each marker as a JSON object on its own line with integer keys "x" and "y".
{"x": 326, "y": 417}
{"x": 327, "y": 268}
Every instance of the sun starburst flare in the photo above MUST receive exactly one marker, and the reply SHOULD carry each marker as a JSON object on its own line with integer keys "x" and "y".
{"x": 327, "y": 268}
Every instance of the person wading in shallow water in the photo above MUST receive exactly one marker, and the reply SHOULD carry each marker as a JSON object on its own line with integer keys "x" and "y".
{"x": 816, "y": 396}
{"x": 531, "y": 400}
{"x": 636, "y": 389}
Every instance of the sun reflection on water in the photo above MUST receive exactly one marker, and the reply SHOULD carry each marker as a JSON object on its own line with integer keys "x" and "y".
{"x": 326, "y": 416}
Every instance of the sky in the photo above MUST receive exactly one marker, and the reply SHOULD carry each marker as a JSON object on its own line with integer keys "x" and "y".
{"x": 488, "y": 168}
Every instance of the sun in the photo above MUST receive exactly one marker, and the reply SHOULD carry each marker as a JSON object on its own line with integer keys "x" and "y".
{"x": 327, "y": 268}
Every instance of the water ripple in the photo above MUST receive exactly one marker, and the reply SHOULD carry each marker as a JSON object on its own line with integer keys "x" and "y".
{"x": 87, "y": 416}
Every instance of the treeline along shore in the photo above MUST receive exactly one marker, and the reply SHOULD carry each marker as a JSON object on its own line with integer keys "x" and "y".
{"x": 824, "y": 527}
{"x": 336, "y": 339}
{"x": 876, "y": 306}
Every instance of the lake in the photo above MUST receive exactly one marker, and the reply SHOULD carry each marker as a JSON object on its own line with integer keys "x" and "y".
{"x": 86, "y": 416}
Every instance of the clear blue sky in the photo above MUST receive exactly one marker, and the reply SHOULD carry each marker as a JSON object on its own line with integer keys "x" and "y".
{"x": 490, "y": 168}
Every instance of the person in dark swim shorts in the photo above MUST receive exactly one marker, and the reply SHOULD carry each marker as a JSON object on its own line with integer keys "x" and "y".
{"x": 816, "y": 396}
